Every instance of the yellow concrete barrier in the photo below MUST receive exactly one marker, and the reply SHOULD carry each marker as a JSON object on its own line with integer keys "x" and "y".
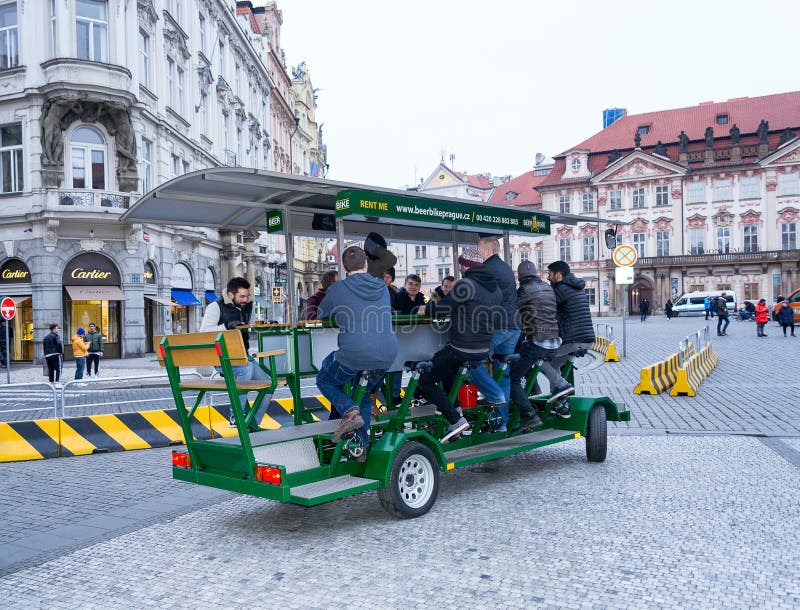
{"x": 607, "y": 348}
{"x": 657, "y": 377}
{"x": 694, "y": 371}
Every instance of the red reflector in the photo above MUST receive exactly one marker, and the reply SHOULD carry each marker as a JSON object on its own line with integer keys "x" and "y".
{"x": 163, "y": 352}
{"x": 181, "y": 459}
{"x": 219, "y": 349}
{"x": 268, "y": 474}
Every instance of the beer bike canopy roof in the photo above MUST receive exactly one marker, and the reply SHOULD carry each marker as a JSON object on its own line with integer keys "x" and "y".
{"x": 236, "y": 199}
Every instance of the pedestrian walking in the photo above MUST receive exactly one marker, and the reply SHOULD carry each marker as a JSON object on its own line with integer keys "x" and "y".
{"x": 95, "y": 340}
{"x": 762, "y": 317}
{"x": 722, "y": 315}
{"x": 644, "y": 309}
{"x": 80, "y": 349}
{"x": 707, "y": 307}
{"x": 53, "y": 355}
{"x": 786, "y": 317}
{"x": 668, "y": 309}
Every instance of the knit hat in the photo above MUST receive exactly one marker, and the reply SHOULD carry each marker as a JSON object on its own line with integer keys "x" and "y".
{"x": 80, "y": 331}
{"x": 470, "y": 257}
{"x": 526, "y": 269}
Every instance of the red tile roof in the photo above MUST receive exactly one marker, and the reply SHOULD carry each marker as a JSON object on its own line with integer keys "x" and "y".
{"x": 246, "y": 8}
{"x": 781, "y": 110}
{"x": 479, "y": 181}
{"x": 524, "y": 186}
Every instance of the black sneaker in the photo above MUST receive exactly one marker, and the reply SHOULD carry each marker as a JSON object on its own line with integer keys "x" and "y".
{"x": 529, "y": 420}
{"x": 562, "y": 410}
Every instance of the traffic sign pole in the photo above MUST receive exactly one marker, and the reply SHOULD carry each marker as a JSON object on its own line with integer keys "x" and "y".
{"x": 8, "y": 356}
{"x": 8, "y": 309}
{"x": 624, "y": 316}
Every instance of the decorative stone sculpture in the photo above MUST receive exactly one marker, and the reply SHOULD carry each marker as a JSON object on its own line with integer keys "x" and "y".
{"x": 637, "y": 140}
{"x": 683, "y": 140}
{"x": 709, "y": 137}
{"x": 763, "y": 131}
{"x": 735, "y": 135}
{"x": 660, "y": 149}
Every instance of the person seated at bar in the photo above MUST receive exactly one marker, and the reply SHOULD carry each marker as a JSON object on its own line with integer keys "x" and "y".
{"x": 359, "y": 304}
{"x": 326, "y": 279}
{"x": 409, "y": 299}
{"x": 475, "y": 306}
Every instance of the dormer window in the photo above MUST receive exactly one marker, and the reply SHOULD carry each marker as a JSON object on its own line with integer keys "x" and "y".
{"x": 643, "y": 130}
{"x": 511, "y": 195}
{"x": 576, "y": 165}
{"x": 722, "y": 119}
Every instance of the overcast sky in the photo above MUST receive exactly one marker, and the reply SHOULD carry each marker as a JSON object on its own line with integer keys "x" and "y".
{"x": 496, "y": 82}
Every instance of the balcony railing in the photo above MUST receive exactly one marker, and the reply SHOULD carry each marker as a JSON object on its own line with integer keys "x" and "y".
{"x": 229, "y": 158}
{"x": 710, "y": 259}
{"x": 96, "y": 199}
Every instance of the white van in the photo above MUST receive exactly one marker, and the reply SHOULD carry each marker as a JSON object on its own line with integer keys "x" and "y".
{"x": 693, "y": 303}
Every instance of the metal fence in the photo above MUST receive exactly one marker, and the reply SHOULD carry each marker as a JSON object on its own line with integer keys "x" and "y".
{"x": 606, "y": 331}
{"x": 697, "y": 340}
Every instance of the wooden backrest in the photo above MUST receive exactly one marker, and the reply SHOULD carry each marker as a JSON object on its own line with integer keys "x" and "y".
{"x": 203, "y": 356}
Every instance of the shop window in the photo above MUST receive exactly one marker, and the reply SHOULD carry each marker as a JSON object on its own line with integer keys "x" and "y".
{"x": 751, "y": 291}
{"x": 88, "y": 159}
{"x": 697, "y": 287}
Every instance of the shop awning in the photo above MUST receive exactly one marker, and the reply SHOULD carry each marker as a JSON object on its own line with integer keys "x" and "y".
{"x": 161, "y": 300}
{"x": 261, "y": 301}
{"x": 185, "y": 297}
{"x": 95, "y": 293}
{"x": 211, "y": 296}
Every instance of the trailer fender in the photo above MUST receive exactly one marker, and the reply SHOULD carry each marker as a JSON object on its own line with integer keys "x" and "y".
{"x": 381, "y": 455}
{"x": 582, "y": 406}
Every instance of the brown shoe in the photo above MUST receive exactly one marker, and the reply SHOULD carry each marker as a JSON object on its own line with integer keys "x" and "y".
{"x": 351, "y": 420}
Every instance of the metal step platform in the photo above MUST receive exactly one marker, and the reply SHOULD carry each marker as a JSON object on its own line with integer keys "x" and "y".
{"x": 331, "y": 489}
{"x": 506, "y": 446}
{"x": 287, "y": 433}
{"x": 295, "y": 455}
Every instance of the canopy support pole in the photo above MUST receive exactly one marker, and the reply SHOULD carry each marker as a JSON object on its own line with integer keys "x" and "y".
{"x": 290, "y": 288}
{"x": 507, "y": 248}
{"x": 456, "y": 270}
{"x": 340, "y": 247}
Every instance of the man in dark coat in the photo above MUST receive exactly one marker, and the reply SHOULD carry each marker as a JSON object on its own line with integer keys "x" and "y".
{"x": 409, "y": 299}
{"x": 574, "y": 321}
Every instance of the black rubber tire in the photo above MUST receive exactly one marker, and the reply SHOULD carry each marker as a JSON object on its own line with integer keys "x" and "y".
{"x": 597, "y": 435}
{"x": 392, "y": 499}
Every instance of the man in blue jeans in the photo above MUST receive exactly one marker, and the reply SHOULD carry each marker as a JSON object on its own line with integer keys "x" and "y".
{"x": 229, "y": 312}
{"x": 359, "y": 304}
{"x": 507, "y": 331}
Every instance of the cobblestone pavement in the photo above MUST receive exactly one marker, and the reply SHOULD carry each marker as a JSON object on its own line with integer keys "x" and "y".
{"x": 690, "y": 510}
{"x": 693, "y": 522}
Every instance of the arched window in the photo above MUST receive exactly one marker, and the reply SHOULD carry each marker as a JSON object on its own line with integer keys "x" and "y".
{"x": 88, "y": 159}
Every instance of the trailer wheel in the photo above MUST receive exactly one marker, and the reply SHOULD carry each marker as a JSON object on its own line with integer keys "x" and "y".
{"x": 596, "y": 435}
{"x": 413, "y": 483}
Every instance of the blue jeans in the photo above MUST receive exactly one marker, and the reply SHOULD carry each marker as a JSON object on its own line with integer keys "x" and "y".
{"x": 720, "y": 321}
{"x": 80, "y": 364}
{"x": 504, "y": 342}
{"x": 331, "y": 379}
{"x": 251, "y": 372}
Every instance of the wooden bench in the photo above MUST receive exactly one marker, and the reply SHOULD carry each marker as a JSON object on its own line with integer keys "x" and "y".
{"x": 223, "y": 349}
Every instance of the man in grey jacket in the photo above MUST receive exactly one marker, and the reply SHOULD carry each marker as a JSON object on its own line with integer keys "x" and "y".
{"x": 537, "y": 308}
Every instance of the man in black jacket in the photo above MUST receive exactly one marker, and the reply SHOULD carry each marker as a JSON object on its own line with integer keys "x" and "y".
{"x": 473, "y": 304}
{"x": 409, "y": 299}
{"x": 574, "y": 322}
{"x": 506, "y": 333}
{"x": 538, "y": 317}
{"x": 229, "y": 312}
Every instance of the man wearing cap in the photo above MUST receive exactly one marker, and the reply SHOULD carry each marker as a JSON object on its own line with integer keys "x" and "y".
{"x": 574, "y": 325}
{"x": 537, "y": 308}
{"x": 506, "y": 333}
{"x": 474, "y": 304}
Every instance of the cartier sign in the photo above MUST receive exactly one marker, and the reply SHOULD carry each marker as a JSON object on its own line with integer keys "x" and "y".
{"x": 91, "y": 270}
{"x": 14, "y": 271}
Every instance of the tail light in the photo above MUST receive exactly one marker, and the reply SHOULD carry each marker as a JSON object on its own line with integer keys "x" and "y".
{"x": 268, "y": 474}
{"x": 181, "y": 459}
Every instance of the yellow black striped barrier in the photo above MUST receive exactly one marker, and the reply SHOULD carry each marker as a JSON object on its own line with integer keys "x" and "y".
{"x": 694, "y": 371}
{"x": 657, "y": 377}
{"x": 49, "y": 438}
{"x": 607, "y": 348}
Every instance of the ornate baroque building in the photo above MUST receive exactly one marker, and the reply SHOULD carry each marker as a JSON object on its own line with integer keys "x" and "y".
{"x": 711, "y": 192}
{"x": 101, "y": 101}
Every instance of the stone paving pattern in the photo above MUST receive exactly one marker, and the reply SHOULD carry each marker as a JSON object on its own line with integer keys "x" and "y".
{"x": 702, "y": 516}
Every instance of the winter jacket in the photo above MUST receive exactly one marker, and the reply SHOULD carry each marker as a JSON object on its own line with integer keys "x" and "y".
{"x": 222, "y": 314}
{"x": 313, "y": 302}
{"x": 359, "y": 304}
{"x": 475, "y": 304}
{"x": 52, "y": 345}
{"x": 785, "y": 314}
{"x": 404, "y": 305}
{"x": 508, "y": 286}
{"x": 95, "y": 341}
{"x": 537, "y": 308}
{"x": 79, "y": 346}
{"x": 574, "y": 317}
{"x": 436, "y": 296}
{"x": 762, "y": 313}
{"x": 722, "y": 307}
